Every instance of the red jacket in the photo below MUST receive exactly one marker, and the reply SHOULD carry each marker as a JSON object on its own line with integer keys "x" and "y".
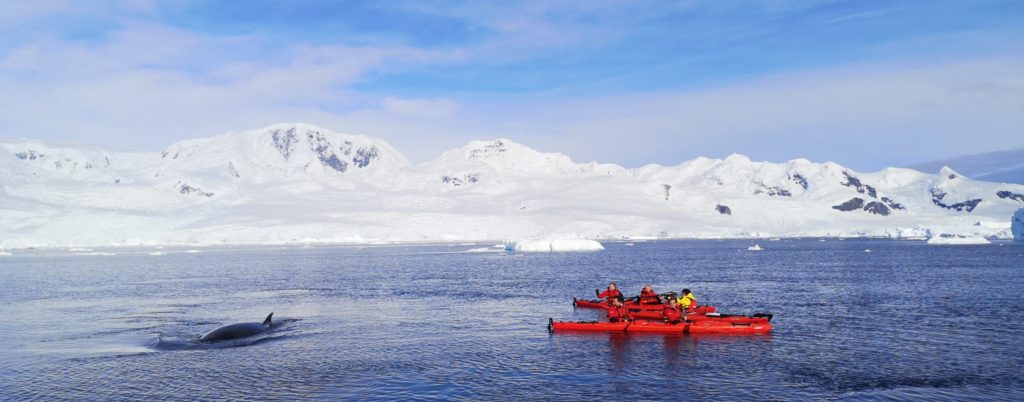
{"x": 671, "y": 313}
{"x": 649, "y": 297}
{"x": 620, "y": 312}
{"x": 610, "y": 294}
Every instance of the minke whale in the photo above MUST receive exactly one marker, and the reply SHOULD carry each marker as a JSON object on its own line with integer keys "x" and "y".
{"x": 239, "y": 330}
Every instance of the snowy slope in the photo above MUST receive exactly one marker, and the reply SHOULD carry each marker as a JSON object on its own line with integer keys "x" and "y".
{"x": 301, "y": 183}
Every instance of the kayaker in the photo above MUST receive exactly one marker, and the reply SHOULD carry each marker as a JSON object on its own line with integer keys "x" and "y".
{"x": 648, "y": 296}
{"x": 688, "y": 301}
{"x": 671, "y": 312}
{"x": 612, "y": 293}
{"x": 619, "y": 312}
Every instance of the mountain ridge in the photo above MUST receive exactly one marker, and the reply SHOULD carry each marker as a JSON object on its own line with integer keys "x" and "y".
{"x": 296, "y": 182}
{"x": 998, "y": 166}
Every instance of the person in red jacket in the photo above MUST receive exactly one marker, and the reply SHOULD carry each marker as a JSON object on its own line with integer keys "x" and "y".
{"x": 612, "y": 293}
{"x": 671, "y": 312}
{"x": 619, "y": 312}
{"x": 648, "y": 296}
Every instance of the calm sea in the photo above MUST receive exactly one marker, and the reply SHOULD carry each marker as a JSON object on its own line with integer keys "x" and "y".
{"x": 903, "y": 321}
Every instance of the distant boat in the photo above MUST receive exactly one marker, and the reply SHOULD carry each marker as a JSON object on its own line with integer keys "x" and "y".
{"x": 755, "y": 248}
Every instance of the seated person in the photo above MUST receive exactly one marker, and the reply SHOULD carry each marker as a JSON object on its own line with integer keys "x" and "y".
{"x": 619, "y": 312}
{"x": 671, "y": 312}
{"x": 610, "y": 294}
{"x": 648, "y": 296}
{"x": 688, "y": 301}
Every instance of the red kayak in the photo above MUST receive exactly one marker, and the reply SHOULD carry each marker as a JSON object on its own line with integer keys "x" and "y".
{"x": 756, "y": 318}
{"x": 698, "y": 327}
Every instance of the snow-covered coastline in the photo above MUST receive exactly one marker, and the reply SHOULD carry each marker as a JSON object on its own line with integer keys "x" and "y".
{"x": 301, "y": 184}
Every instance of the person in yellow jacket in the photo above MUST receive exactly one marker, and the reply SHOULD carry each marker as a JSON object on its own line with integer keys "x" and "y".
{"x": 688, "y": 302}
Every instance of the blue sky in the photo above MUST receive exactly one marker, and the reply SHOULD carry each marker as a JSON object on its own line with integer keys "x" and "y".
{"x": 867, "y": 84}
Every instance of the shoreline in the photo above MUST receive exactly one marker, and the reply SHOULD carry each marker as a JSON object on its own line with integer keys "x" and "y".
{"x": 185, "y": 248}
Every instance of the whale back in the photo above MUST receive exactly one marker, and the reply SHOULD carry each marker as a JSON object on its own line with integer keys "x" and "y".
{"x": 239, "y": 330}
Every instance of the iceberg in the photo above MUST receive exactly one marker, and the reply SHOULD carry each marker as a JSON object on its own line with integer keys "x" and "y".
{"x": 948, "y": 239}
{"x": 558, "y": 245}
{"x": 1017, "y": 225}
{"x": 755, "y": 247}
{"x": 484, "y": 250}
{"x": 4, "y": 254}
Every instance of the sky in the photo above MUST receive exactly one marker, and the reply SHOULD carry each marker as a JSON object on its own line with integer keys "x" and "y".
{"x": 867, "y": 84}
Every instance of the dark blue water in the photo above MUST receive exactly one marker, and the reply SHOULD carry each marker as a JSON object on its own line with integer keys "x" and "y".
{"x": 904, "y": 321}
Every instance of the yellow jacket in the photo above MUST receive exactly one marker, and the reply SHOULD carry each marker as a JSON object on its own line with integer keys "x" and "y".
{"x": 686, "y": 300}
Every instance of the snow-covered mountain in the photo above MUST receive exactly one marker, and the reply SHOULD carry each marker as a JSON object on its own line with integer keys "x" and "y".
{"x": 301, "y": 183}
{"x": 1001, "y": 166}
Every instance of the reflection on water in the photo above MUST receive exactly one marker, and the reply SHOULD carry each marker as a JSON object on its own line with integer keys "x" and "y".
{"x": 422, "y": 322}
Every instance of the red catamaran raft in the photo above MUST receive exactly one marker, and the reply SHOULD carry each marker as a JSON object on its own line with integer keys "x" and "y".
{"x": 735, "y": 325}
{"x": 648, "y": 318}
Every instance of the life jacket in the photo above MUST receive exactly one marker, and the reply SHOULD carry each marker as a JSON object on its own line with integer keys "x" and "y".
{"x": 688, "y": 302}
{"x": 619, "y": 313}
{"x": 648, "y": 297}
{"x": 610, "y": 294}
{"x": 671, "y": 313}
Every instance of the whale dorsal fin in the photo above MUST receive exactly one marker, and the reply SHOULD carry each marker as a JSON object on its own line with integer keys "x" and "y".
{"x": 267, "y": 321}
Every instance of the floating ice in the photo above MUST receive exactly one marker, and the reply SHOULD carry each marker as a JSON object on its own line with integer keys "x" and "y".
{"x": 484, "y": 250}
{"x": 755, "y": 247}
{"x": 544, "y": 246}
{"x": 1017, "y": 225}
{"x": 944, "y": 239}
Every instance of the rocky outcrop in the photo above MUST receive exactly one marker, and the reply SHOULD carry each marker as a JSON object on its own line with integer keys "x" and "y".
{"x": 857, "y": 203}
{"x": 771, "y": 191}
{"x": 1010, "y": 195}
{"x": 877, "y": 208}
{"x": 892, "y": 203}
{"x": 969, "y": 205}
{"x": 466, "y": 179}
{"x": 799, "y": 179}
{"x": 188, "y": 190}
{"x": 855, "y": 183}
{"x": 853, "y": 204}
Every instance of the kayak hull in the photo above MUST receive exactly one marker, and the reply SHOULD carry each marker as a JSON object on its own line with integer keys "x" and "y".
{"x": 693, "y": 317}
{"x": 700, "y": 327}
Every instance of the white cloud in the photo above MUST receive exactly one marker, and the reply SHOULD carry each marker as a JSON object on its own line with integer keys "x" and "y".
{"x": 147, "y": 84}
{"x": 859, "y": 115}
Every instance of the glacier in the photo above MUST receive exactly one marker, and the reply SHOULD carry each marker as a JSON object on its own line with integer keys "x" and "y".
{"x": 1018, "y": 225}
{"x": 296, "y": 183}
{"x": 946, "y": 239}
{"x": 553, "y": 245}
